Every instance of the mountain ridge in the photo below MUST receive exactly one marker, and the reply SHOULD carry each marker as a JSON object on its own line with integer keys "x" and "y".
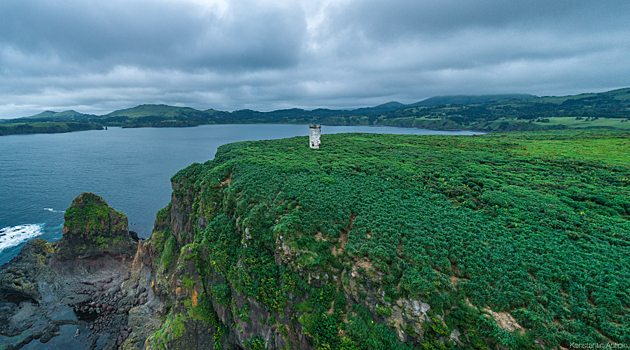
{"x": 151, "y": 108}
{"x": 506, "y": 112}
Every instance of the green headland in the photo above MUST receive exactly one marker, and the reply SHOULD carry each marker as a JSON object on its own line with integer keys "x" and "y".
{"x": 500, "y": 241}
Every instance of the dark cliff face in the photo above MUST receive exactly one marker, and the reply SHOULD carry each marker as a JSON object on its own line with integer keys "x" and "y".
{"x": 91, "y": 227}
{"x": 206, "y": 311}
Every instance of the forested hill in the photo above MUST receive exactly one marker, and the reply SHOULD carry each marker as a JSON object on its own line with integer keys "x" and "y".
{"x": 500, "y": 241}
{"x": 49, "y": 127}
{"x": 483, "y": 113}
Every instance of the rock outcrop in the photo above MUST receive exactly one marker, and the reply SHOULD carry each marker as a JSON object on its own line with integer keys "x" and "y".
{"x": 20, "y": 277}
{"x": 84, "y": 291}
{"x": 92, "y": 228}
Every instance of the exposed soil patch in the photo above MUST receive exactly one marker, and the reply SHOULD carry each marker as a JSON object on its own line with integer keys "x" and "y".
{"x": 506, "y": 321}
{"x": 227, "y": 181}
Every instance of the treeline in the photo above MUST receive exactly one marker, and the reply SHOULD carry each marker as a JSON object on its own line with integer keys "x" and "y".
{"x": 511, "y": 113}
{"x": 46, "y": 127}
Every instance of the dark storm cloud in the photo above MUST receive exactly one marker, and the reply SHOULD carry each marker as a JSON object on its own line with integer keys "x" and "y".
{"x": 176, "y": 35}
{"x": 97, "y": 56}
{"x": 470, "y": 33}
{"x": 401, "y": 19}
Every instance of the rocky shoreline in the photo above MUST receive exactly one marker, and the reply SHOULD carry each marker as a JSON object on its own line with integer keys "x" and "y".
{"x": 90, "y": 290}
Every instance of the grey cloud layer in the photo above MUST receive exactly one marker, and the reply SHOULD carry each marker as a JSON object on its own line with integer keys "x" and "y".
{"x": 97, "y": 56}
{"x": 177, "y": 35}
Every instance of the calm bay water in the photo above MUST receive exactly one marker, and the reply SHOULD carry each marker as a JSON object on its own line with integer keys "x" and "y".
{"x": 130, "y": 168}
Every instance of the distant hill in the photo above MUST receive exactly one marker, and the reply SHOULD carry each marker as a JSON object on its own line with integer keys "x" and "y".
{"x": 154, "y": 110}
{"x": 463, "y": 100}
{"x": 44, "y": 115}
{"x": 469, "y": 99}
{"x": 69, "y": 115}
{"x": 385, "y": 107}
{"x": 505, "y": 112}
{"x": 46, "y": 127}
{"x": 618, "y": 94}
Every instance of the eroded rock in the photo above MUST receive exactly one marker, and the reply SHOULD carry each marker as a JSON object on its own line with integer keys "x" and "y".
{"x": 92, "y": 228}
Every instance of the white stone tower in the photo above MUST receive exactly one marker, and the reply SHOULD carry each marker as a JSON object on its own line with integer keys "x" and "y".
{"x": 316, "y": 132}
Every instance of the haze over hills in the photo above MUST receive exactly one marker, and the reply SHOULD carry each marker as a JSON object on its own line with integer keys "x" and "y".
{"x": 65, "y": 115}
{"x": 151, "y": 110}
{"x": 469, "y": 99}
{"x": 508, "y": 112}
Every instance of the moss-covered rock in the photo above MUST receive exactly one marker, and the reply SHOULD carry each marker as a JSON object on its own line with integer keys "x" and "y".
{"x": 20, "y": 277}
{"x": 92, "y": 228}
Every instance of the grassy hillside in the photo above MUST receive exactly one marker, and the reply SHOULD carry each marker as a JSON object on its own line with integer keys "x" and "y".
{"x": 385, "y": 107}
{"x": 70, "y": 114}
{"x": 51, "y": 116}
{"x": 156, "y": 116}
{"x": 608, "y": 110}
{"x": 511, "y": 240}
{"x": 153, "y": 110}
{"x": 469, "y": 99}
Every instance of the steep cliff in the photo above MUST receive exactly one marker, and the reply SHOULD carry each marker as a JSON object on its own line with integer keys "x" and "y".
{"x": 393, "y": 242}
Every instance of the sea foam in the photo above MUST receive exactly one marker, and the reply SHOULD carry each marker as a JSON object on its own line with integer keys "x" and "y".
{"x": 12, "y": 236}
{"x": 54, "y": 211}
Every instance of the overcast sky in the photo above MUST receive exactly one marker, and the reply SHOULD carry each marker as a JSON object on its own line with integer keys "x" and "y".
{"x": 97, "y": 56}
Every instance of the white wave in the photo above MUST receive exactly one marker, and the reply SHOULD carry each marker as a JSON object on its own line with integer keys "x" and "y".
{"x": 12, "y": 236}
{"x": 54, "y": 211}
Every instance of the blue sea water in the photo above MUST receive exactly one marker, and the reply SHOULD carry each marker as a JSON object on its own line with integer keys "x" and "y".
{"x": 130, "y": 168}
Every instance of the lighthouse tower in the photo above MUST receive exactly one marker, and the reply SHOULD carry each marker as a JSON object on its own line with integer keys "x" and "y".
{"x": 316, "y": 132}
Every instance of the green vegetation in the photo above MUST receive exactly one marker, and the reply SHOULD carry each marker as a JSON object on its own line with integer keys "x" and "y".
{"x": 51, "y": 116}
{"x": 46, "y": 127}
{"x": 89, "y": 216}
{"x": 512, "y": 112}
{"x": 532, "y": 226}
{"x": 602, "y": 110}
{"x": 469, "y": 100}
